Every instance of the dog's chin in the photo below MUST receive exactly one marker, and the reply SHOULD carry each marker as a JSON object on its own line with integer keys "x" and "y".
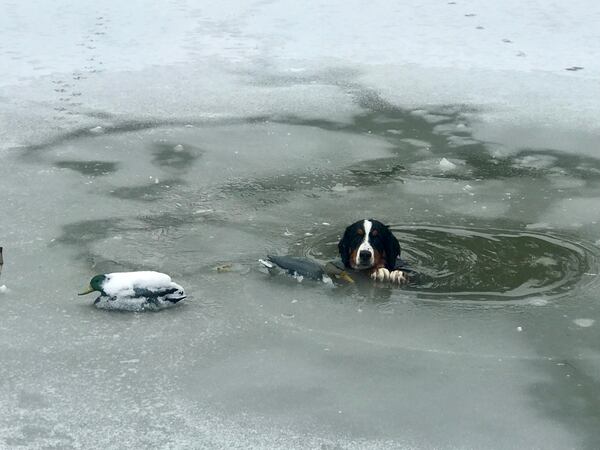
{"x": 363, "y": 266}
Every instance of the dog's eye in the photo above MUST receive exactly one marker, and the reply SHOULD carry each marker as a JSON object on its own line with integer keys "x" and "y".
{"x": 374, "y": 233}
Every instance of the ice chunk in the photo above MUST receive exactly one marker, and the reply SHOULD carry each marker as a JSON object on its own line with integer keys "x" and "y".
{"x": 342, "y": 188}
{"x": 446, "y": 164}
{"x": 584, "y": 323}
{"x": 538, "y": 301}
{"x": 267, "y": 264}
{"x": 537, "y": 225}
{"x": 535, "y": 161}
{"x": 3, "y": 289}
{"x": 545, "y": 261}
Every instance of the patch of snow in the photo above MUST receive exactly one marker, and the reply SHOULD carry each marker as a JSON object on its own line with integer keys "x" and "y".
{"x": 298, "y": 277}
{"x": 584, "y": 323}
{"x": 545, "y": 261}
{"x": 266, "y": 263}
{"x": 416, "y": 142}
{"x": 327, "y": 280}
{"x": 342, "y": 188}
{"x": 122, "y": 284}
{"x": 538, "y": 226}
{"x": 535, "y": 161}
{"x": 538, "y": 302}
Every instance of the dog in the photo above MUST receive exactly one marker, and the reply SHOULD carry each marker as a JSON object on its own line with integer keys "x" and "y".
{"x": 369, "y": 245}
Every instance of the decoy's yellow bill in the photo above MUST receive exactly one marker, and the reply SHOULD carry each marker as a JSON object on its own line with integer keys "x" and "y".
{"x": 87, "y": 291}
{"x": 344, "y": 276}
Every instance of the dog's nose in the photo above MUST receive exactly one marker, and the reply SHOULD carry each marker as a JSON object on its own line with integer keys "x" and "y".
{"x": 364, "y": 255}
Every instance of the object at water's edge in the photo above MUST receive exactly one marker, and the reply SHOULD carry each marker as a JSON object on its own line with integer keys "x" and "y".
{"x": 135, "y": 291}
{"x": 307, "y": 268}
{"x": 224, "y": 268}
{"x": 3, "y": 288}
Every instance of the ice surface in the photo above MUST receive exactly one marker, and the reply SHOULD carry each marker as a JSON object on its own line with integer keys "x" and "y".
{"x": 573, "y": 212}
{"x": 179, "y": 138}
{"x": 512, "y": 67}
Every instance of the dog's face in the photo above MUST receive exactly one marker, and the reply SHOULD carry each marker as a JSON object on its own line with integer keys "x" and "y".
{"x": 368, "y": 244}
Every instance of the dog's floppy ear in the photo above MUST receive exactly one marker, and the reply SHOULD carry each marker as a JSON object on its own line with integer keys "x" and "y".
{"x": 344, "y": 248}
{"x": 392, "y": 249}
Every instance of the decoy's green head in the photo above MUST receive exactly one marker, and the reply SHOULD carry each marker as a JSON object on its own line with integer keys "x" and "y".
{"x": 95, "y": 284}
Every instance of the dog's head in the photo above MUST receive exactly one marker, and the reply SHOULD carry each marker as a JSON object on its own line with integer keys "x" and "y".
{"x": 368, "y": 244}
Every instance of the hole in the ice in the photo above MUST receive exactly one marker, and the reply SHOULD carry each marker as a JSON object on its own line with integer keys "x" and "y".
{"x": 481, "y": 265}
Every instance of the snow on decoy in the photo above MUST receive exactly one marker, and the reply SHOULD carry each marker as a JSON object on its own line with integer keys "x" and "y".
{"x": 301, "y": 267}
{"x": 135, "y": 291}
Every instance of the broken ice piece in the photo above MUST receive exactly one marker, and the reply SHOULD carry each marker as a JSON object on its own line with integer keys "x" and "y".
{"x": 446, "y": 164}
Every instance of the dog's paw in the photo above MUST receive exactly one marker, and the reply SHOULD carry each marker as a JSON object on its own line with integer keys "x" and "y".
{"x": 398, "y": 277}
{"x": 394, "y": 277}
{"x": 381, "y": 274}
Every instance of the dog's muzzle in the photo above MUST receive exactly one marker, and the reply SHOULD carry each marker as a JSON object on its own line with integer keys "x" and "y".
{"x": 365, "y": 258}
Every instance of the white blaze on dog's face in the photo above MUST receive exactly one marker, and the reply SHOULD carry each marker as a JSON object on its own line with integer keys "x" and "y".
{"x": 364, "y": 257}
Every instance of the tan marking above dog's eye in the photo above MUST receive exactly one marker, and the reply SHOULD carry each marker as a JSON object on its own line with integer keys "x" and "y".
{"x": 360, "y": 232}
{"x": 374, "y": 233}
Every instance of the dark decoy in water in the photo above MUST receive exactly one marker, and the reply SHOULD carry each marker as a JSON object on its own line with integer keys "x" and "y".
{"x": 308, "y": 268}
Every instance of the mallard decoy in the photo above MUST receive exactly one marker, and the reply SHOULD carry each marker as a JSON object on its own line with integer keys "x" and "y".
{"x": 135, "y": 291}
{"x": 307, "y": 268}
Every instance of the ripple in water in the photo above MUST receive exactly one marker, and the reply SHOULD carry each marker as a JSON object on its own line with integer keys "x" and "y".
{"x": 476, "y": 265}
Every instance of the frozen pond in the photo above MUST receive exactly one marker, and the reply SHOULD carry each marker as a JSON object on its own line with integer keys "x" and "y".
{"x": 185, "y": 138}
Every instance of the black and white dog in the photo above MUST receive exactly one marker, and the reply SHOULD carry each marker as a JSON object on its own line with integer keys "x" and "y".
{"x": 368, "y": 245}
